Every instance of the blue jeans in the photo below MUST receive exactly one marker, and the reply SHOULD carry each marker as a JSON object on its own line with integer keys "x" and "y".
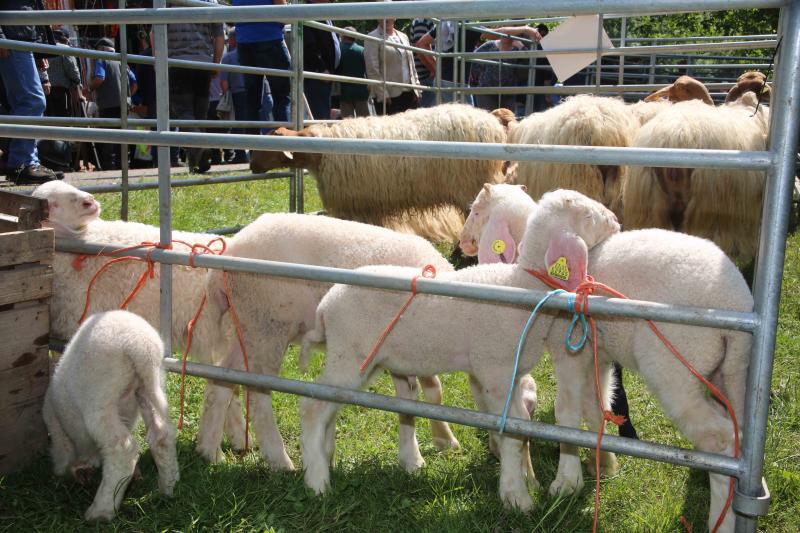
{"x": 318, "y": 94}
{"x": 267, "y": 54}
{"x": 26, "y": 98}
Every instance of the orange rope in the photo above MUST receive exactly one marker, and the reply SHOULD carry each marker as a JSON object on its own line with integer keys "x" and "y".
{"x": 428, "y": 272}
{"x": 584, "y": 289}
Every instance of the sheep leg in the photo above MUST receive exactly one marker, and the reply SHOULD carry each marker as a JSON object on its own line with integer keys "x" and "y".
{"x": 216, "y": 400}
{"x": 513, "y": 467}
{"x": 161, "y": 438}
{"x": 410, "y": 458}
{"x": 61, "y": 448}
{"x": 234, "y": 423}
{"x": 593, "y": 416}
{"x": 120, "y": 453}
{"x": 480, "y": 403}
{"x": 684, "y": 401}
{"x": 572, "y": 375}
{"x": 441, "y": 433}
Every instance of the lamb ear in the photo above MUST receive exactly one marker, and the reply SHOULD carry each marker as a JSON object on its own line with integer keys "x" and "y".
{"x": 566, "y": 259}
{"x": 496, "y": 244}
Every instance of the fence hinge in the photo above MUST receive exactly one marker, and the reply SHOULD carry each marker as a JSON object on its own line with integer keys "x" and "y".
{"x": 752, "y": 505}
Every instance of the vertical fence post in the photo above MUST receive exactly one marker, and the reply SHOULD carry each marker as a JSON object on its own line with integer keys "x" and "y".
{"x": 123, "y": 107}
{"x": 383, "y": 69}
{"x": 164, "y": 199}
{"x": 298, "y": 106}
{"x": 461, "y": 46}
{"x": 439, "y": 42}
{"x": 599, "y": 63}
{"x": 769, "y": 272}
{"x": 652, "y": 77}
{"x": 623, "y": 36}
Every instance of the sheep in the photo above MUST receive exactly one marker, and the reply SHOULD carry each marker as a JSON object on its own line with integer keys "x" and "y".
{"x": 654, "y": 265}
{"x": 580, "y": 120}
{"x": 425, "y": 195}
{"x": 75, "y": 214}
{"x": 109, "y": 373}
{"x": 719, "y": 204}
{"x": 495, "y": 226}
{"x": 274, "y": 312}
{"x": 683, "y": 89}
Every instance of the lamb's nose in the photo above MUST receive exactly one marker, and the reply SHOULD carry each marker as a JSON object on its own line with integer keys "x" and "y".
{"x": 88, "y": 203}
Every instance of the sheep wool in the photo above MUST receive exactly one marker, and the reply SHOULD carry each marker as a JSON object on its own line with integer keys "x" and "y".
{"x": 582, "y": 120}
{"x": 719, "y": 204}
{"x": 109, "y": 373}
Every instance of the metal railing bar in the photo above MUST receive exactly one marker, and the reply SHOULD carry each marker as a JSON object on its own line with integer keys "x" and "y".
{"x": 717, "y": 318}
{"x": 594, "y": 155}
{"x": 445, "y": 9}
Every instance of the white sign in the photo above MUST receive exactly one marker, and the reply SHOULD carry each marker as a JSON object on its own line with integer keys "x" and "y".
{"x": 577, "y": 32}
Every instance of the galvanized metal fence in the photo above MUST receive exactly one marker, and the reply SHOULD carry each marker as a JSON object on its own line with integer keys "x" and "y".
{"x": 751, "y": 498}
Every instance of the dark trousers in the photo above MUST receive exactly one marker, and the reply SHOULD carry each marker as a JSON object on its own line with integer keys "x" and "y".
{"x": 188, "y": 100}
{"x": 404, "y": 102}
{"x": 58, "y": 103}
{"x": 267, "y": 54}
{"x": 109, "y": 154}
{"x": 318, "y": 95}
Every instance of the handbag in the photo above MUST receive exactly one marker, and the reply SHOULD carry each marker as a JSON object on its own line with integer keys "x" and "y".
{"x": 225, "y": 107}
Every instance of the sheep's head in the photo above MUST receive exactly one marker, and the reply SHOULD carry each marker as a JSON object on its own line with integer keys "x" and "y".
{"x": 752, "y": 81}
{"x": 487, "y": 231}
{"x": 263, "y": 161}
{"x": 71, "y": 210}
{"x": 683, "y": 89}
{"x": 560, "y": 232}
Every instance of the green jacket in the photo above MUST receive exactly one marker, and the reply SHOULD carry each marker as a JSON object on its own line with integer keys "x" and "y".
{"x": 352, "y": 64}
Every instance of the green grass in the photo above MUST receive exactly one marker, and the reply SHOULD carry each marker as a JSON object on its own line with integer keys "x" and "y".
{"x": 456, "y": 491}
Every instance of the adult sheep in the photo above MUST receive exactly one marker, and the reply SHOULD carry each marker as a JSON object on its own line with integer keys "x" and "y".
{"x": 582, "y": 120}
{"x": 110, "y": 373}
{"x": 723, "y": 205}
{"x": 427, "y": 196}
{"x": 74, "y": 214}
{"x": 275, "y": 311}
{"x": 653, "y": 265}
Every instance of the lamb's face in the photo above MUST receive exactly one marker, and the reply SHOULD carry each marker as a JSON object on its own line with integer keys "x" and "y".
{"x": 68, "y": 206}
{"x": 473, "y": 227}
{"x": 588, "y": 218}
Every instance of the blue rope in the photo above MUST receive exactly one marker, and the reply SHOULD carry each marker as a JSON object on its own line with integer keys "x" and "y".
{"x": 576, "y": 315}
{"x": 521, "y": 342}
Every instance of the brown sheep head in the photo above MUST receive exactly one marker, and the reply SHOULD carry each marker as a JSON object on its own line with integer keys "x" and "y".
{"x": 751, "y": 81}
{"x": 683, "y": 89}
{"x": 263, "y": 161}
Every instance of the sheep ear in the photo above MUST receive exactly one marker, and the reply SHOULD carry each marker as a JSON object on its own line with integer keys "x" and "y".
{"x": 487, "y": 187}
{"x": 523, "y": 187}
{"x": 496, "y": 244}
{"x": 221, "y": 300}
{"x": 566, "y": 259}
{"x": 661, "y": 93}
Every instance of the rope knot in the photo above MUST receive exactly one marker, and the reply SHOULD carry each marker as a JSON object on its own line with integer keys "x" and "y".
{"x": 617, "y": 420}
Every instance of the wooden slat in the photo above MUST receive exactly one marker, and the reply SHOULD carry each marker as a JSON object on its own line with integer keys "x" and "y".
{"x": 8, "y": 223}
{"x": 26, "y": 247}
{"x": 23, "y": 332}
{"x": 25, "y": 282}
{"x": 21, "y": 384}
{"x": 12, "y": 202}
{"x": 23, "y": 435}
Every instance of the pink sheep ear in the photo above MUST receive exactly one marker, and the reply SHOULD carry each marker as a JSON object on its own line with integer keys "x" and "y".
{"x": 496, "y": 244}
{"x": 566, "y": 259}
{"x": 221, "y": 300}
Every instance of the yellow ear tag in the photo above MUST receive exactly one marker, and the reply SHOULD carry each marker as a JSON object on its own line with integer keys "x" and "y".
{"x": 559, "y": 269}
{"x": 498, "y": 246}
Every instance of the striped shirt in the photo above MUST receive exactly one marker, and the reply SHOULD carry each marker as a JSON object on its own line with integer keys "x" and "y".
{"x": 420, "y": 27}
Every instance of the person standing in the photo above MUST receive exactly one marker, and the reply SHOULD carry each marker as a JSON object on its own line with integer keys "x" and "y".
{"x": 321, "y": 53}
{"x": 233, "y": 83}
{"x": 353, "y": 100}
{"x": 20, "y": 77}
{"x": 261, "y": 44}
{"x": 105, "y": 83}
{"x": 399, "y": 67}
{"x": 189, "y": 89}
{"x": 65, "y": 81}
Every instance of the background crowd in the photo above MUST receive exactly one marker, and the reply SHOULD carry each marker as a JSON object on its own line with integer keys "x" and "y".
{"x": 67, "y": 86}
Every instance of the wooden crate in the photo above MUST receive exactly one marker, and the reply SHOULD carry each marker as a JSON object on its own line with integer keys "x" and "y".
{"x": 26, "y": 283}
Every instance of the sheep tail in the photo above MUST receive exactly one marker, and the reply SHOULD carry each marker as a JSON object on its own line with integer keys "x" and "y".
{"x": 145, "y": 356}
{"x": 313, "y": 337}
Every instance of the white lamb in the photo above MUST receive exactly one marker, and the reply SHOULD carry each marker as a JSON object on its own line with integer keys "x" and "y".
{"x": 109, "y": 373}
{"x": 651, "y": 265}
{"x": 74, "y": 214}
{"x": 276, "y": 311}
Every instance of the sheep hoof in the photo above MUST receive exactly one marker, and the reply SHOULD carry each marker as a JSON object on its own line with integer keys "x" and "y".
{"x": 519, "y": 500}
{"x": 283, "y": 464}
{"x": 96, "y": 513}
{"x": 211, "y": 455}
{"x": 413, "y": 464}
{"x": 318, "y": 484}
{"x": 563, "y": 486}
{"x": 444, "y": 444}
{"x": 608, "y": 465}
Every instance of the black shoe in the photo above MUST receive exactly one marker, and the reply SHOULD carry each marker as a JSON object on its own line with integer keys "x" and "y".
{"x": 34, "y": 174}
{"x": 239, "y": 158}
{"x": 199, "y": 160}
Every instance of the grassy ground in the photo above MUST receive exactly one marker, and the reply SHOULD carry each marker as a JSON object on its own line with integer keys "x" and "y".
{"x": 455, "y": 492}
